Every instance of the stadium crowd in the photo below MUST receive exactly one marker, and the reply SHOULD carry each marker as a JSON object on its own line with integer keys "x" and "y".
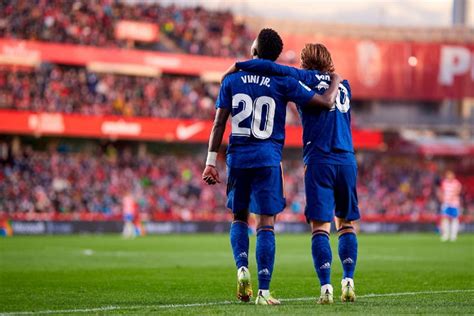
{"x": 54, "y": 88}
{"x": 169, "y": 186}
{"x": 192, "y": 30}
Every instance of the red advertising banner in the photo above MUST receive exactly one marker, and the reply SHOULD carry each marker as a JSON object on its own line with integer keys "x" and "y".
{"x": 376, "y": 69}
{"x": 153, "y": 129}
{"x": 138, "y": 31}
{"x": 399, "y": 70}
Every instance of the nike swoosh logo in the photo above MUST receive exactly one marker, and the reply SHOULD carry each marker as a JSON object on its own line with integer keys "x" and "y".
{"x": 185, "y": 132}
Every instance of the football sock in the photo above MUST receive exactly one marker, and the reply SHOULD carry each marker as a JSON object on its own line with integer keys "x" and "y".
{"x": 453, "y": 232}
{"x": 348, "y": 250}
{"x": 265, "y": 256}
{"x": 239, "y": 240}
{"x": 444, "y": 228}
{"x": 322, "y": 255}
{"x": 264, "y": 293}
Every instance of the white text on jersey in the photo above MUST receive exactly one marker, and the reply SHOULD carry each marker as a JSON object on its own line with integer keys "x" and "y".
{"x": 265, "y": 81}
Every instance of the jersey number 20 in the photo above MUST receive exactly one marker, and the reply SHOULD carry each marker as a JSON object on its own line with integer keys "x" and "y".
{"x": 342, "y": 99}
{"x": 254, "y": 109}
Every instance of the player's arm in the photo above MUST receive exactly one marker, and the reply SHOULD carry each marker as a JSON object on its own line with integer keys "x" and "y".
{"x": 224, "y": 106}
{"x": 301, "y": 94}
{"x": 328, "y": 98}
{"x": 268, "y": 67}
{"x": 210, "y": 174}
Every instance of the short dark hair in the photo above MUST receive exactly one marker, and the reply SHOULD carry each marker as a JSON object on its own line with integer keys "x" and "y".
{"x": 269, "y": 44}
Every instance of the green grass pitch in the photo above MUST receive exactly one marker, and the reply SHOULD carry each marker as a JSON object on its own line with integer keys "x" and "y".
{"x": 195, "y": 274}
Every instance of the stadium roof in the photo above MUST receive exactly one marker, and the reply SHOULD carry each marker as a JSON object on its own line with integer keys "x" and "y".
{"x": 456, "y": 34}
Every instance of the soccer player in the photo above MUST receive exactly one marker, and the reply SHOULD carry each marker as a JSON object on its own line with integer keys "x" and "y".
{"x": 257, "y": 105}
{"x": 451, "y": 201}
{"x": 129, "y": 214}
{"x": 331, "y": 169}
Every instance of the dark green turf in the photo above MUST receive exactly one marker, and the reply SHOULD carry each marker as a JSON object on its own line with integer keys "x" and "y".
{"x": 139, "y": 276}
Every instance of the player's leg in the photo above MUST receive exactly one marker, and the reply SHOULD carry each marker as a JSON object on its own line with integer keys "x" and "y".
{"x": 445, "y": 223}
{"x": 319, "y": 180}
{"x": 347, "y": 211}
{"x": 238, "y": 195}
{"x": 454, "y": 224}
{"x": 128, "y": 227}
{"x": 454, "y": 229}
{"x": 444, "y": 228}
{"x": 267, "y": 200}
{"x": 265, "y": 253}
{"x": 322, "y": 259}
{"x": 348, "y": 255}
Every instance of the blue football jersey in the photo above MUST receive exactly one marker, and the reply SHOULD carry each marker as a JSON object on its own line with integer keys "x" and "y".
{"x": 327, "y": 136}
{"x": 258, "y": 108}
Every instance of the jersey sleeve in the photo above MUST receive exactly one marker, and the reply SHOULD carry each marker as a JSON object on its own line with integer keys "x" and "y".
{"x": 224, "y": 99}
{"x": 348, "y": 86}
{"x": 298, "y": 92}
{"x": 271, "y": 68}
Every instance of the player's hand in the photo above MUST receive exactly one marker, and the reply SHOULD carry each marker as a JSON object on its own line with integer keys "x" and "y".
{"x": 229, "y": 71}
{"x": 335, "y": 77}
{"x": 211, "y": 175}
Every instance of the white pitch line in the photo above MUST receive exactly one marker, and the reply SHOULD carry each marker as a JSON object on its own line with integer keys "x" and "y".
{"x": 383, "y": 295}
{"x": 295, "y": 299}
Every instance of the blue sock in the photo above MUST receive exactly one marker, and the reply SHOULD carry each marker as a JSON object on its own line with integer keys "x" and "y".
{"x": 239, "y": 240}
{"x": 348, "y": 250}
{"x": 265, "y": 256}
{"x": 322, "y": 256}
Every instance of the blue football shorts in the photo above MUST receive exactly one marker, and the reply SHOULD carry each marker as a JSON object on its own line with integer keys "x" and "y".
{"x": 449, "y": 211}
{"x": 259, "y": 190}
{"x": 331, "y": 190}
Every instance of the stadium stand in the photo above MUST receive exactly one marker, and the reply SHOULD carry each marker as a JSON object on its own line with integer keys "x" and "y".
{"x": 63, "y": 89}
{"x": 66, "y": 183}
{"x": 192, "y": 30}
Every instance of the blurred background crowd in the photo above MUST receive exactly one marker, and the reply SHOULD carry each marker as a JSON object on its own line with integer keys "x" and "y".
{"x": 62, "y": 89}
{"x": 189, "y": 30}
{"x": 61, "y": 181}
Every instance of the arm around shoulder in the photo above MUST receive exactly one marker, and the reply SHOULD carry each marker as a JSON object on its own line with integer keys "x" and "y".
{"x": 329, "y": 97}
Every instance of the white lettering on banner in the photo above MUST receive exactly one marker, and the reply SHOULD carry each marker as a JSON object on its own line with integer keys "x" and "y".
{"x": 455, "y": 61}
{"x": 185, "y": 132}
{"x": 20, "y": 50}
{"x": 46, "y": 123}
{"x": 121, "y": 128}
{"x": 160, "y": 61}
{"x": 28, "y": 228}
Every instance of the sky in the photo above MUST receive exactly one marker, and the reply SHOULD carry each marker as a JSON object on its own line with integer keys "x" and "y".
{"x": 418, "y": 13}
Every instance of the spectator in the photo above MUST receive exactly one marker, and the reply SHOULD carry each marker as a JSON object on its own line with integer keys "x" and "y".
{"x": 193, "y": 30}
{"x": 38, "y": 182}
{"x": 54, "y": 88}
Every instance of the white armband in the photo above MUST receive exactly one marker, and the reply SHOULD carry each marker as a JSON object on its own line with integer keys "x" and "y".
{"x": 211, "y": 158}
